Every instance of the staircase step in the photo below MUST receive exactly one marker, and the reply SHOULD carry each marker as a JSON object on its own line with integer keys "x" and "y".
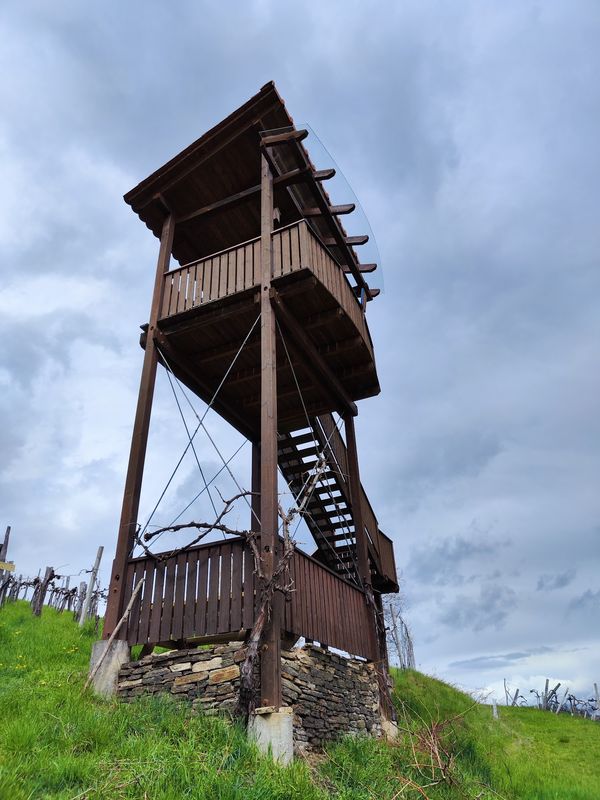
{"x": 303, "y": 438}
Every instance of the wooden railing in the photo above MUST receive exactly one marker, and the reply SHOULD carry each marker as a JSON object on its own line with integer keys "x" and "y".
{"x": 328, "y": 609}
{"x": 381, "y": 547}
{"x": 238, "y": 269}
{"x": 209, "y": 591}
{"x": 386, "y": 554}
{"x": 204, "y": 591}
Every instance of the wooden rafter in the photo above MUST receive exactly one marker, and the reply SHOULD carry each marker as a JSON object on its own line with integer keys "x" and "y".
{"x": 351, "y": 241}
{"x": 311, "y": 354}
{"x": 362, "y": 268}
{"x": 315, "y": 211}
{"x": 286, "y": 137}
{"x": 338, "y": 237}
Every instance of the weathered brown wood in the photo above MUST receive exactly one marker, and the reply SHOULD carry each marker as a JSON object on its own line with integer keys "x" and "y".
{"x": 237, "y": 556}
{"x": 190, "y": 594}
{"x": 178, "y": 606}
{"x": 200, "y": 626}
{"x": 269, "y": 542}
{"x": 219, "y": 205}
{"x": 212, "y": 609}
{"x": 312, "y": 356}
{"x": 148, "y": 588}
{"x": 351, "y": 241}
{"x": 225, "y": 590}
{"x": 293, "y": 176}
{"x": 248, "y": 591}
{"x": 362, "y": 550}
{"x": 270, "y": 140}
{"x": 135, "y": 469}
{"x": 315, "y": 211}
{"x": 168, "y": 597}
{"x": 137, "y": 573}
{"x": 324, "y": 174}
{"x": 361, "y": 268}
{"x": 157, "y": 603}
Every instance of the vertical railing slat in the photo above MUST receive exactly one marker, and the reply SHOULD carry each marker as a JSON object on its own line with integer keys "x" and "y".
{"x": 225, "y": 589}
{"x": 190, "y": 594}
{"x": 236, "y": 586}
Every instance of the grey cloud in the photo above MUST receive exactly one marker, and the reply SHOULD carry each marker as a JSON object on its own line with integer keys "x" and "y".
{"x": 501, "y": 660}
{"x": 438, "y": 562}
{"x": 490, "y": 609}
{"x": 549, "y": 583}
{"x": 586, "y": 604}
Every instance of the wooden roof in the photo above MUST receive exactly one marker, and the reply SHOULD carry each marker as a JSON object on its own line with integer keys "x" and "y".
{"x": 212, "y": 187}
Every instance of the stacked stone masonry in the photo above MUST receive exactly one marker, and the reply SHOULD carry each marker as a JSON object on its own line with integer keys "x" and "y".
{"x": 331, "y": 695}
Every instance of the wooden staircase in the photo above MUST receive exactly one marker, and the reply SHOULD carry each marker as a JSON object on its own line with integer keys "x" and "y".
{"x": 328, "y": 513}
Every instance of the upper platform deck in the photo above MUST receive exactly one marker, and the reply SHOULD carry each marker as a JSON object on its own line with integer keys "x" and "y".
{"x": 210, "y": 305}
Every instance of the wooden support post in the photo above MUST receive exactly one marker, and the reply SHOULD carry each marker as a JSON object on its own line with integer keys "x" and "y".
{"x": 38, "y": 601}
{"x": 362, "y": 545}
{"x": 85, "y": 611}
{"x": 4, "y": 553}
{"x": 137, "y": 454}
{"x": 270, "y": 663}
{"x": 255, "y": 489}
{"x": 4, "y": 546}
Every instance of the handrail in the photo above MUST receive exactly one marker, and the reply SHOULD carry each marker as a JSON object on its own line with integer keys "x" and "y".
{"x": 176, "y": 550}
{"x": 235, "y": 247}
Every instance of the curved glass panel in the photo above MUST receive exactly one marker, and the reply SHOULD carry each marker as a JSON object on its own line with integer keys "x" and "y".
{"x": 340, "y": 193}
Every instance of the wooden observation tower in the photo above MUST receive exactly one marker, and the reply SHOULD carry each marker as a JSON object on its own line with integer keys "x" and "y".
{"x": 264, "y": 318}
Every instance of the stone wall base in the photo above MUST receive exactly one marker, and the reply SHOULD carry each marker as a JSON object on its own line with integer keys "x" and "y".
{"x": 330, "y": 696}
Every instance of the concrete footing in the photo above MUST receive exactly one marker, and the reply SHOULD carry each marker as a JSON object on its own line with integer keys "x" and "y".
{"x": 389, "y": 729}
{"x": 272, "y": 730}
{"x": 105, "y": 680}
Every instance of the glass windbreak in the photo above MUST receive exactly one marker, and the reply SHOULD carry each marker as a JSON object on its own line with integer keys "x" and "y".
{"x": 341, "y": 193}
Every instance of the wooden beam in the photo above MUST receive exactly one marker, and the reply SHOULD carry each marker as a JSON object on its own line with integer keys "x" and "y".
{"x": 270, "y": 661}
{"x": 322, "y": 318}
{"x": 362, "y": 547}
{"x": 315, "y": 211}
{"x": 350, "y": 241}
{"x": 311, "y": 354}
{"x": 224, "y": 353}
{"x": 371, "y": 293}
{"x": 218, "y": 205}
{"x": 283, "y": 138}
{"x": 340, "y": 240}
{"x": 362, "y": 268}
{"x": 293, "y": 176}
{"x": 219, "y": 311}
{"x": 324, "y": 174}
{"x": 255, "y": 489}
{"x": 139, "y": 441}
{"x": 252, "y": 400}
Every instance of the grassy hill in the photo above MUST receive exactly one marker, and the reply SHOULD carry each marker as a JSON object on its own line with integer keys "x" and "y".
{"x": 57, "y": 741}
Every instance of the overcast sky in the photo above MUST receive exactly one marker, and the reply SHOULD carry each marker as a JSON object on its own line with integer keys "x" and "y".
{"x": 470, "y": 132}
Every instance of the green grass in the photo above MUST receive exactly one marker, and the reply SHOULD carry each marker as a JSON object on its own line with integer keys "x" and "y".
{"x": 57, "y": 741}
{"x": 526, "y": 754}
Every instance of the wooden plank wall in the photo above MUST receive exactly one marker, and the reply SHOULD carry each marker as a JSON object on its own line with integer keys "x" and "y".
{"x": 210, "y": 590}
{"x": 327, "y": 609}
{"x": 205, "y": 591}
